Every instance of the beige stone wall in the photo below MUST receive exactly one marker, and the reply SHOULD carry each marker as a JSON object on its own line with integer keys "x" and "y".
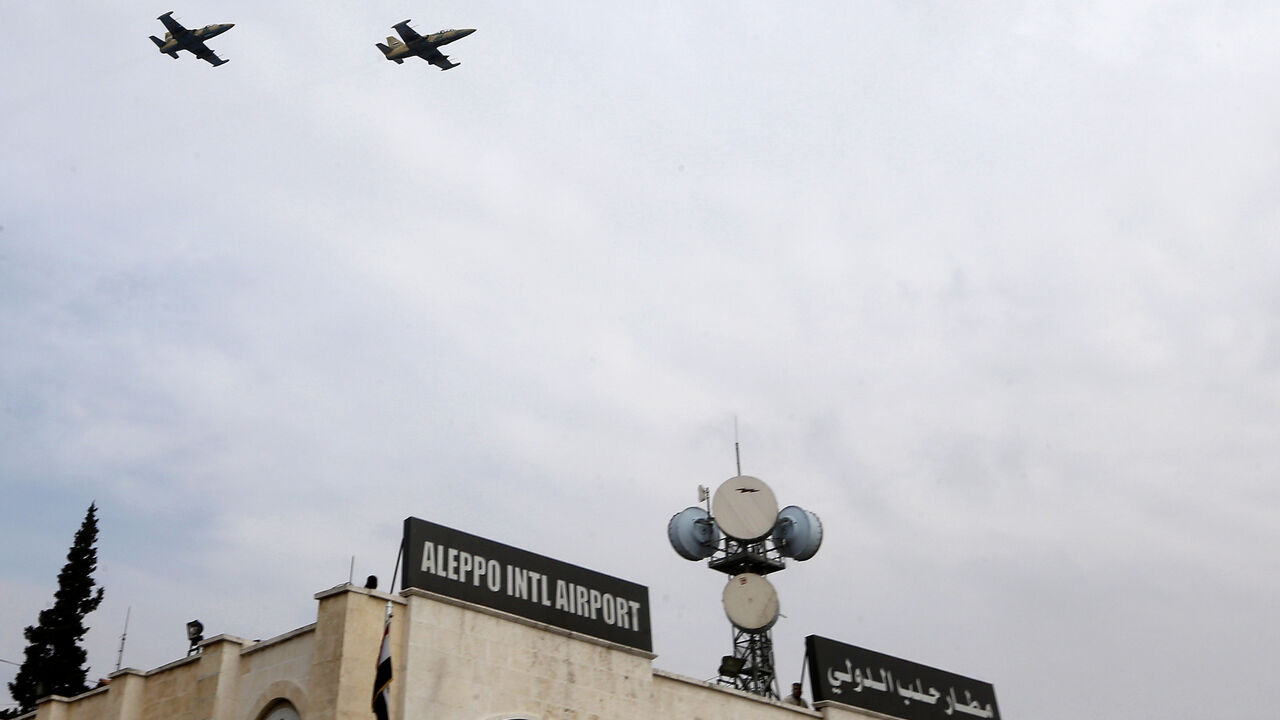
{"x": 348, "y": 637}
{"x": 467, "y": 664}
{"x": 171, "y": 692}
{"x": 273, "y": 670}
{"x": 678, "y": 697}
{"x": 840, "y": 712}
{"x": 91, "y": 705}
{"x": 451, "y": 662}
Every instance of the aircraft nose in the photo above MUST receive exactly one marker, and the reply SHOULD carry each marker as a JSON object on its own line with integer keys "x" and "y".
{"x": 464, "y": 33}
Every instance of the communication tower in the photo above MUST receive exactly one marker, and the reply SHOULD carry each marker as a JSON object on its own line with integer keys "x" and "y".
{"x": 743, "y": 534}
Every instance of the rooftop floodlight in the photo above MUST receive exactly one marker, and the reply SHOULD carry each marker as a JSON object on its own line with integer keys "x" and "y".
{"x": 731, "y": 665}
{"x": 195, "y": 633}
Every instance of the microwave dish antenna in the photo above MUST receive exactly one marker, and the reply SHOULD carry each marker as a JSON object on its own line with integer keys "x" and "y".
{"x": 750, "y": 602}
{"x": 798, "y": 533}
{"x": 692, "y": 534}
{"x": 745, "y": 508}
{"x": 743, "y": 535}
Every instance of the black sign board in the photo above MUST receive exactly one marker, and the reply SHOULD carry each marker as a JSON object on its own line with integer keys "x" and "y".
{"x": 465, "y": 567}
{"x": 885, "y": 684}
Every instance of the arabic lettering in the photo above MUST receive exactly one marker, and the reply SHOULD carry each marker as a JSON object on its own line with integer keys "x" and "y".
{"x": 969, "y": 707}
{"x": 883, "y": 685}
{"x": 836, "y": 678}
{"x": 918, "y": 694}
{"x": 865, "y": 679}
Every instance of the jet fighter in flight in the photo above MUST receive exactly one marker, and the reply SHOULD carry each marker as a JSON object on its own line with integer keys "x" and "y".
{"x": 424, "y": 46}
{"x": 180, "y": 38}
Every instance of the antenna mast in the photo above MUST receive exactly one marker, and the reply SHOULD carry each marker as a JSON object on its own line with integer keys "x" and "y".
{"x": 123, "y": 635}
{"x": 737, "y": 456}
{"x": 744, "y": 535}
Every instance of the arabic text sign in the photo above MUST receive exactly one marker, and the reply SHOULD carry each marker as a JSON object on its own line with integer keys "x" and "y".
{"x": 900, "y": 688}
{"x": 465, "y": 567}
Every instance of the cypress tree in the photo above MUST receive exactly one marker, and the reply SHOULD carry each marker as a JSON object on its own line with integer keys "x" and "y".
{"x": 54, "y": 660}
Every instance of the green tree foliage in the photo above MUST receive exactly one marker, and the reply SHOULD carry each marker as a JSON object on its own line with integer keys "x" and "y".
{"x": 54, "y": 660}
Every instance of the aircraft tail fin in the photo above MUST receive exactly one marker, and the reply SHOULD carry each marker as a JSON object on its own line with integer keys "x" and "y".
{"x": 393, "y": 41}
{"x": 160, "y": 44}
{"x": 386, "y": 51}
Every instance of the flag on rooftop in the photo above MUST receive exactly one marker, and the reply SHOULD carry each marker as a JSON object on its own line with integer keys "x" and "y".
{"x": 382, "y": 678}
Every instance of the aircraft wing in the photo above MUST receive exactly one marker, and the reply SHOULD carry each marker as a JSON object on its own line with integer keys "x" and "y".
{"x": 174, "y": 26}
{"x": 203, "y": 52}
{"x": 437, "y": 58}
{"x": 407, "y": 33}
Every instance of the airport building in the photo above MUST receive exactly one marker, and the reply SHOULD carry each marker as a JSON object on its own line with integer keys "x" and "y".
{"x": 485, "y": 631}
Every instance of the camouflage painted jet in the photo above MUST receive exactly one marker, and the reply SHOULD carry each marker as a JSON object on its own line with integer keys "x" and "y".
{"x": 180, "y": 38}
{"x": 424, "y": 46}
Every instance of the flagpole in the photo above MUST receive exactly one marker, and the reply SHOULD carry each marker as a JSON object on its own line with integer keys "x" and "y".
{"x": 394, "y": 573}
{"x": 382, "y": 674}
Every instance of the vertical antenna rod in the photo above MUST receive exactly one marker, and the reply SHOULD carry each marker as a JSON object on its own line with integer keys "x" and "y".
{"x": 123, "y": 635}
{"x": 737, "y": 456}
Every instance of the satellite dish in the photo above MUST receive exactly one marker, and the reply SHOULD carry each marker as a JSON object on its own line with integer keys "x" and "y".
{"x": 745, "y": 508}
{"x": 798, "y": 533}
{"x": 751, "y": 602}
{"x": 692, "y": 534}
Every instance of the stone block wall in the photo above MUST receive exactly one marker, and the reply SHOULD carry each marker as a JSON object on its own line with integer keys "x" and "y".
{"x": 451, "y": 661}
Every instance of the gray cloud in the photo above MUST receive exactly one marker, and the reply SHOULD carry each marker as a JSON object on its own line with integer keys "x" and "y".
{"x": 989, "y": 289}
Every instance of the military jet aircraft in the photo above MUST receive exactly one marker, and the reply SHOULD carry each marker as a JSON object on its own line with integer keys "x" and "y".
{"x": 424, "y": 46}
{"x": 180, "y": 38}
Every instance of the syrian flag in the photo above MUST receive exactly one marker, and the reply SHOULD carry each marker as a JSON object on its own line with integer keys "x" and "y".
{"x": 382, "y": 679}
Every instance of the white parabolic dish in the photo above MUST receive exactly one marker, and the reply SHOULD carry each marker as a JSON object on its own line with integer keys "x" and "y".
{"x": 745, "y": 508}
{"x": 751, "y": 602}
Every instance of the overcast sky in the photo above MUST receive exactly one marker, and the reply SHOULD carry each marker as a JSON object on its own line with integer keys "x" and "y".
{"x": 991, "y": 287}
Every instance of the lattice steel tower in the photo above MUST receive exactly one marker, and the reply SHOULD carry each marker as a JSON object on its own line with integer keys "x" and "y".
{"x": 746, "y": 538}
